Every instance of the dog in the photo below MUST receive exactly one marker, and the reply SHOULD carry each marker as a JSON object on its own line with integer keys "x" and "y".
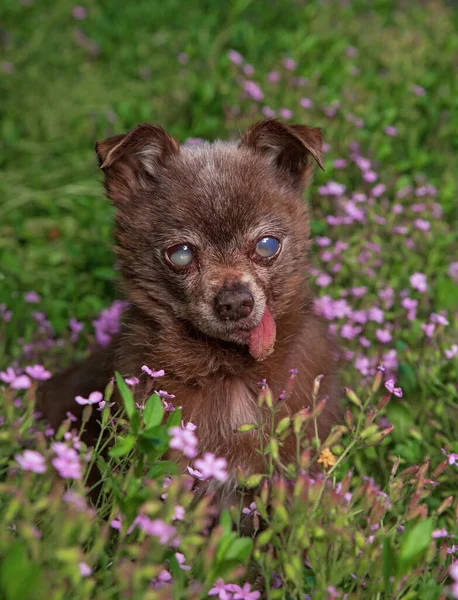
{"x": 212, "y": 242}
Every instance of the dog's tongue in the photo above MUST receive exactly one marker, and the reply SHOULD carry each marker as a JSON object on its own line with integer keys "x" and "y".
{"x": 262, "y": 337}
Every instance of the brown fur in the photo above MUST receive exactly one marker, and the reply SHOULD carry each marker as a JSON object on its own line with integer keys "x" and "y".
{"x": 220, "y": 198}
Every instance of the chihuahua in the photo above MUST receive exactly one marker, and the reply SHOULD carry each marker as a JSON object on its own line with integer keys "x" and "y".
{"x": 212, "y": 242}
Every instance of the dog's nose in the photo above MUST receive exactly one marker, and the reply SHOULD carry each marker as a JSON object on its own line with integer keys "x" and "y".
{"x": 234, "y": 303}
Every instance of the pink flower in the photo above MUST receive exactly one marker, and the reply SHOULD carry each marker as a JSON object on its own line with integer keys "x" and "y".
{"x": 222, "y": 590}
{"x": 453, "y": 271}
{"x": 21, "y": 383}
{"x": 195, "y": 473}
{"x": 179, "y": 513}
{"x": 418, "y": 282}
{"x": 153, "y": 374}
{"x": 38, "y": 372}
{"x": 248, "y": 70}
{"x": 323, "y": 280}
{"x": 383, "y": 336}
{"x": 306, "y": 103}
{"x": 32, "y": 298}
{"x": 67, "y": 461}
{"x": 440, "y": 533}
{"x": 181, "y": 561}
{"x": 273, "y": 77}
{"x": 376, "y": 314}
{"x": 370, "y": 176}
{"x": 235, "y": 57}
{"x": 85, "y": 570}
{"x": 452, "y": 352}
{"x": 339, "y": 163}
{"x": 183, "y": 440}
{"x": 428, "y": 329}
{"x": 439, "y": 319}
{"x": 245, "y": 593}
{"x": 94, "y": 398}
{"x": 289, "y": 64}
{"x": 422, "y": 225}
{"x": 349, "y": 332}
{"x": 323, "y": 241}
{"x": 103, "y": 404}
{"x": 267, "y": 112}
{"x": 30, "y": 460}
{"x": 391, "y": 131}
{"x": 285, "y": 113}
{"x": 253, "y": 90}
{"x": 79, "y": 13}
{"x": 156, "y": 527}
{"x": 8, "y": 376}
{"x": 132, "y": 380}
{"x": 390, "y": 386}
{"x": 166, "y": 395}
{"x": 418, "y": 90}
{"x": 211, "y": 466}
{"x": 452, "y": 458}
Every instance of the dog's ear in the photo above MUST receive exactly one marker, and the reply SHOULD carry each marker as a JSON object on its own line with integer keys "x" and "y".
{"x": 289, "y": 148}
{"x": 128, "y": 160}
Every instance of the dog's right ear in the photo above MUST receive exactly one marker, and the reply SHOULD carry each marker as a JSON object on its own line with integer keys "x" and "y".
{"x": 129, "y": 160}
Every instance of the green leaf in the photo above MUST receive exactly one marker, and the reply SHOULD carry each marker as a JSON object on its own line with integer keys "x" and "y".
{"x": 154, "y": 411}
{"x": 415, "y": 542}
{"x": 126, "y": 395}
{"x": 240, "y": 549}
{"x": 19, "y": 576}
{"x": 123, "y": 446}
{"x": 388, "y": 563}
{"x": 175, "y": 418}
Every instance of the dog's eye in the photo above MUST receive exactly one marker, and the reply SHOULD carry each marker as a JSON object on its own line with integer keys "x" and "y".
{"x": 267, "y": 247}
{"x": 180, "y": 256}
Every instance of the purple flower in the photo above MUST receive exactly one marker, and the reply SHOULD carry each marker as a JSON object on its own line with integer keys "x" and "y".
{"x": 75, "y": 326}
{"x": 323, "y": 280}
{"x": 132, "y": 380}
{"x": 109, "y": 323}
{"x": 273, "y": 77}
{"x": 332, "y": 188}
{"x": 79, "y": 13}
{"x": 452, "y": 352}
{"x": 390, "y": 386}
{"x": 85, "y": 570}
{"x": 222, "y": 590}
{"x": 428, "y": 329}
{"x": 370, "y": 176}
{"x": 183, "y": 440}
{"x": 418, "y": 90}
{"x": 268, "y": 112}
{"x": 339, "y": 163}
{"x": 195, "y": 473}
{"x": 453, "y": 271}
{"x": 21, "y": 383}
{"x": 440, "y": 533}
{"x": 30, "y": 460}
{"x": 418, "y": 282}
{"x": 94, "y": 398}
{"x": 289, "y": 64}
{"x": 349, "y": 332}
{"x": 163, "y": 394}
{"x": 383, "y": 336}
{"x": 153, "y": 374}
{"x": 390, "y": 130}
{"x": 248, "y": 70}
{"x": 235, "y": 57}
{"x": 181, "y": 561}
{"x": 179, "y": 513}
{"x": 422, "y": 225}
{"x": 75, "y": 500}
{"x": 32, "y": 298}
{"x": 285, "y": 113}
{"x": 38, "y": 372}
{"x": 245, "y": 593}
{"x": 439, "y": 319}
{"x": 375, "y": 314}
{"x": 8, "y": 376}
{"x": 323, "y": 241}
{"x": 156, "y": 527}
{"x": 66, "y": 462}
{"x": 211, "y": 466}
{"x": 253, "y": 90}
{"x": 306, "y": 103}
{"x": 104, "y": 404}
{"x": 452, "y": 458}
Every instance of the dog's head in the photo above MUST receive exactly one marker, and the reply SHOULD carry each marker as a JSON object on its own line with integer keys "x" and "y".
{"x": 216, "y": 234}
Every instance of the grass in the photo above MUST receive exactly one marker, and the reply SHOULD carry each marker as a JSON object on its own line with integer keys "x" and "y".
{"x": 66, "y": 82}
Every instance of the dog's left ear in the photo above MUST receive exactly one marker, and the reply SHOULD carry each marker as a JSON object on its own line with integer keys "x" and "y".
{"x": 289, "y": 148}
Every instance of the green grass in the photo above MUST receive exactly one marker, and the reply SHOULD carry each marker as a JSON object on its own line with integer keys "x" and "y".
{"x": 58, "y": 98}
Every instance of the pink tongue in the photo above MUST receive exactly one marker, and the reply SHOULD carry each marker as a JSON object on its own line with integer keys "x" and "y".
{"x": 262, "y": 337}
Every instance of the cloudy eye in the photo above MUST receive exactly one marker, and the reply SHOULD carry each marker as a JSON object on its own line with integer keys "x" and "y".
{"x": 267, "y": 247}
{"x": 180, "y": 256}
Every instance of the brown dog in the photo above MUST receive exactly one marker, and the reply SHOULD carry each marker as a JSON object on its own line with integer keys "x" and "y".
{"x": 212, "y": 241}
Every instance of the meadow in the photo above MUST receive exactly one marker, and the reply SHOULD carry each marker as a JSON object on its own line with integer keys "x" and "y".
{"x": 380, "y": 78}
